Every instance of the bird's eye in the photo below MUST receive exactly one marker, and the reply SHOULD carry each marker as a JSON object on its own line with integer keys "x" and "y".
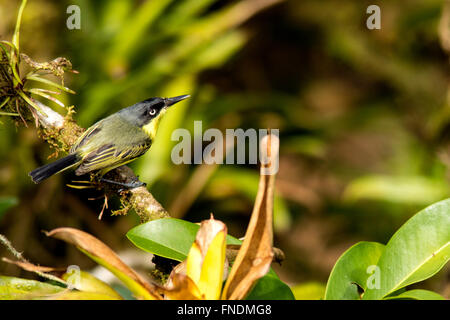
{"x": 152, "y": 112}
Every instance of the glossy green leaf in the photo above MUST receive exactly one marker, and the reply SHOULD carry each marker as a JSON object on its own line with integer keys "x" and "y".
{"x": 23, "y": 289}
{"x": 270, "y": 287}
{"x": 353, "y": 269}
{"x": 168, "y": 237}
{"x": 418, "y": 250}
{"x": 417, "y": 294}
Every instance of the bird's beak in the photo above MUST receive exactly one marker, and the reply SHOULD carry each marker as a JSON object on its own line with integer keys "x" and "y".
{"x": 172, "y": 101}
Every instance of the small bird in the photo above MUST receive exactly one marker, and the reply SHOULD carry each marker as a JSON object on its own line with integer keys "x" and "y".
{"x": 112, "y": 141}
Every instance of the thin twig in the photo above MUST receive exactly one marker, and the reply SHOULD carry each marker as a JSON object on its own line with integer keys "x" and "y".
{"x": 20, "y": 115}
{"x": 20, "y": 257}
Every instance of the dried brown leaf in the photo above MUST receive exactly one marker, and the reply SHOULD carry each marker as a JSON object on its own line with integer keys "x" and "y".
{"x": 102, "y": 254}
{"x": 32, "y": 267}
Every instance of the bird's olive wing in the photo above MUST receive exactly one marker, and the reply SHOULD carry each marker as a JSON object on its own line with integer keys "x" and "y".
{"x": 109, "y": 157}
{"x": 131, "y": 153}
{"x": 86, "y": 136}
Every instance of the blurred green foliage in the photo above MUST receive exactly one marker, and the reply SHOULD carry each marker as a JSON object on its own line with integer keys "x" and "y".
{"x": 5, "y": 204}
{"x": 363, "y": 114}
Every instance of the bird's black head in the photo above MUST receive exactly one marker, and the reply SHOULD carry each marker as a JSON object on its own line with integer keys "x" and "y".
{"x": 142, "y": 113}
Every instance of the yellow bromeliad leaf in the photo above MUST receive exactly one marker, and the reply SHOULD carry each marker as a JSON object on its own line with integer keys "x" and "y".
{"x": 181, "y": 287}
{"x": 206, "y": 258}
{"x": 210, "y": 283}
{"x": 194, "y": 263}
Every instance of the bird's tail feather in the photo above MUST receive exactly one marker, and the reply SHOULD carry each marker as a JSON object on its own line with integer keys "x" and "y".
{"x": 44, "y": 172}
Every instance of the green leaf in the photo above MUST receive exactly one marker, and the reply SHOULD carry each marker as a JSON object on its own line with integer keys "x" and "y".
{"x": 9, "y": 114}
{"x": 309, "y": 291}
{"x": 351, "y": 270}
{"x": 417, "y": 294}
{"x": 418, "y": 250}
{"x": 50, "y": 83}
{"x": 270, "y": 287}
{"x": 14, "y": 57}
{"x": 20, "y": 289}
{"x": 30, "y": 101}
{"x": 172, "y": 238}
{"x": 8, "y": 55}
{"x": 4, "y": 102}
{"x": 167, "y": 237}
{"x": 6, "y": 203}
{"x": 15, "y": 39}
{"x": 40, "y": 92}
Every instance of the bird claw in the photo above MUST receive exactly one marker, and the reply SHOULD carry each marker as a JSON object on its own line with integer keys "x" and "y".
{"x": 126, "y": 186}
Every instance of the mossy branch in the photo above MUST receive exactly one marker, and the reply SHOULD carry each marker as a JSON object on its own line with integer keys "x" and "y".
{"x": 65, "y": 130}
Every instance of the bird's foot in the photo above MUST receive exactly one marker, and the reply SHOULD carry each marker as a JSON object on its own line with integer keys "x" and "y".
{"x": 127, "y": 185}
